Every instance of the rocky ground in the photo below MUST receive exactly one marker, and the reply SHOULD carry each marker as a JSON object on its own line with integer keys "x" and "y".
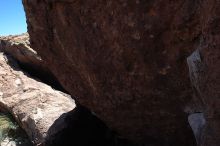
{"x": 35, "y": 105}
{"x": 147, "y": 71}
{"x": 18, "y": 46}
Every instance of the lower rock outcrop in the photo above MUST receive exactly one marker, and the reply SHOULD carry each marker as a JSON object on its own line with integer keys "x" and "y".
{"x": 18, "y": 46}
{"x": 35, "y": 105}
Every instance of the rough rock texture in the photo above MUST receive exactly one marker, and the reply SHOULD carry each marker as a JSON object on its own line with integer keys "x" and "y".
{"x": 18, "y": 47}
{"x": 204, "y": 66}
{"x": 197, "y": 122}
{"x": 125, "y": 60}
{"x": 35, "y": 105}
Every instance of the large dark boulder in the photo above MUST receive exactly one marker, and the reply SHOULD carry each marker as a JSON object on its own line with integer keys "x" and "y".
{"x": 204, "y": 66}
{"x": 125, "y": 60}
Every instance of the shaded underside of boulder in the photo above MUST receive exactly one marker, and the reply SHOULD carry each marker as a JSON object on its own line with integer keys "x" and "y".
{"x": 124, "y": 60}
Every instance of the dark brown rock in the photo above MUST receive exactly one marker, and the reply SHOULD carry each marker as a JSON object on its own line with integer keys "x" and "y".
{"x": 124, "y": 60}
{"x": 82, "y": 128}
{"x": 205, "y": 71}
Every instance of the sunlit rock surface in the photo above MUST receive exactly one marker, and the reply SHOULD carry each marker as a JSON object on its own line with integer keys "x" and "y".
{"x": 34, "y": 104}
{"x": 18, "y": 46}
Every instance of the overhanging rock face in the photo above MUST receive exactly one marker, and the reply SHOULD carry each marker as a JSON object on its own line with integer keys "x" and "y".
{"x": 124, "y": 60}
